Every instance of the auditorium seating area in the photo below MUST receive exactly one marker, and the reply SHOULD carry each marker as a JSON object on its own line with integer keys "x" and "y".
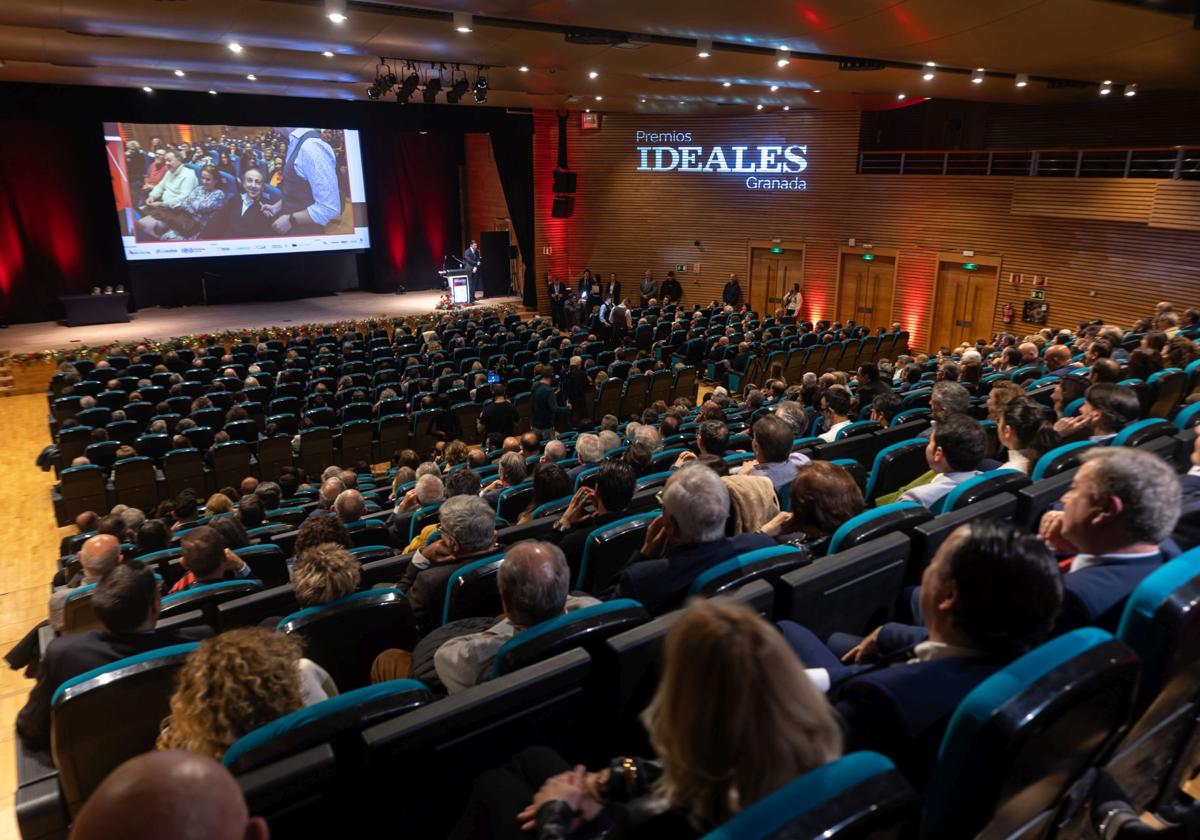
{"x": 1017, "y": 759}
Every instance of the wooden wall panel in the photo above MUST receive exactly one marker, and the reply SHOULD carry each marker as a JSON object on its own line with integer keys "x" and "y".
{"x": 1084, "y": 198}
{"x": 1176, "y": 205}
{"x": 627, "y": 221}
{"x": 485, "y": 205}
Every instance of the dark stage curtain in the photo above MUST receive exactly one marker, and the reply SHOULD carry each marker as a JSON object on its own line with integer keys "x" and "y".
{"x": 415, "y": 216}
{"x": 51, "y": 241}
{"x": 513, "y": 148}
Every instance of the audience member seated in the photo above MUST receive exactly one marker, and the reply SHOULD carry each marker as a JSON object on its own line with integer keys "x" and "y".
{"x": 152, "y": 536}
{"x": 466, "y": 532}
{"x": 324, "y": 572}
{"x": 511, "y": 472}
{"x": 207, "y": 559}
{"x": 231, "y": 530}
{"x": 98, "y": 555}
{"x": 823, "y": 496}
{"x": 773, "y": 455}
{"x": 953, "y": 453}
{"x": 457, "y": 483}
{"x": 990, "y": 594}
{"x": 236, "y": 682}
{"x": 550, "y": 483}
{"x": 1026, "y": 433}
{"x": 349, "y": 506}
{"x": 127, "y": 602}
{"x": 218, "y": 503}
{"x": 186, "y": 511}
{"x": 1106, "y": 410}
{"x": 1122, "y": 504}
{"x": 170, "y": 793}
{"x": 1187, "y": 530}
{"x": 615, "y": 485}
{"x": 835, "y": 408}
{"x": 589, "y": 453}
{"x": 250, "y": 511}
{"x": 728, "y": 680}
{"x": 884, "y": 408}
{"x": 685, "y": 540}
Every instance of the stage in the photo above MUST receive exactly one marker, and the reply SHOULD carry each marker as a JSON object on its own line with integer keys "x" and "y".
{"x": 159, "y": 324}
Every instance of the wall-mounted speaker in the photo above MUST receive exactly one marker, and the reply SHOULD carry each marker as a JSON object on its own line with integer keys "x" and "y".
{"x": 564, "y": 207}
{"x": 564, "y": 181}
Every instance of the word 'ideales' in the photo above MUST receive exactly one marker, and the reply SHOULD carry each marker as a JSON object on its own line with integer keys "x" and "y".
{"x": 680, "y": 156}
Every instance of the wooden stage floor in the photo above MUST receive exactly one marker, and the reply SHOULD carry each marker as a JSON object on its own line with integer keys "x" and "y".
{"x": 158, "y": 324}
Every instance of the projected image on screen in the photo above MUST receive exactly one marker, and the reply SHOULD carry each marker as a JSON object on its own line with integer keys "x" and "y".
{"x": 224, "y": 190}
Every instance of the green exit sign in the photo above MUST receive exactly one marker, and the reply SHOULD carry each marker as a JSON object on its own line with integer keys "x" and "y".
{"x": 868, "y": 257}
{"x": 681, "y": 268}
{"x": 970, "y": 266}
{"x": 776, "y": 250}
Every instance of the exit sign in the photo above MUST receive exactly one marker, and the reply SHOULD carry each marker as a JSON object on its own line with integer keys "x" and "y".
{"x": 681, "y": 268}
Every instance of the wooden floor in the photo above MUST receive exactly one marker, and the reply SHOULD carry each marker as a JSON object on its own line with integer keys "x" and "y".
{"x": 30, "y": 539}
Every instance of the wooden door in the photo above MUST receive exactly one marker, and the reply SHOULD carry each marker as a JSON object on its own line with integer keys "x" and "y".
{"x": 964, "y": 306}
{"x": 866, "y": 288}
{"x": 771, "y": 276}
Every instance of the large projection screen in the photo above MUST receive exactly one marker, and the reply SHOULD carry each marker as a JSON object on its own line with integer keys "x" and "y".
{"x": 223, "y": 190}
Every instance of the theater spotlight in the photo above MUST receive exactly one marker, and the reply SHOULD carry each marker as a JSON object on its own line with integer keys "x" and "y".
{"x": 373, "y": 91}
{"x": 704, "y": 47}
{"x": 930, "y": 71}
{"x": 335, "y": 10}
{"x": 432, "y": 88}
{"x": 977, "y": 76}
{"x": 481, "y": 86}
{"x": 1131, "y": 89}
{"x": 408, "y": 87}
{"x": 1022, "y": 79}
{"x": 1106, "y": 87}
{"x": 458, "y": 90}
{"x": 462, "y": 21}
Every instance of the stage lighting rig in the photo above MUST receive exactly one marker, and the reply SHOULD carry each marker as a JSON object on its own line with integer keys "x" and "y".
{"x": 481, "y": 86}
{"x": 459, "y": 89}
{"x": 433, "y": 86}
{"x": 409, "y": 86}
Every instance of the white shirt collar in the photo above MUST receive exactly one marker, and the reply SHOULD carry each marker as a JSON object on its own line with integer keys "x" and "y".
{"x": 1086, "y": 561}
{"x": 928, "y": 651}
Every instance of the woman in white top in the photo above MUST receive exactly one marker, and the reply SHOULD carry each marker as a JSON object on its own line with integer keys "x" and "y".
{"x": 794, "y": 300}
{"x": 1026, "y": 432}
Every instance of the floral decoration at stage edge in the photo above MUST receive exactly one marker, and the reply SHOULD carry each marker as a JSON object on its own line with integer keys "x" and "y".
{"x": 280, "y": 333}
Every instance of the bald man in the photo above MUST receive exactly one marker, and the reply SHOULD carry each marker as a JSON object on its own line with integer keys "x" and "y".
{"x": 1029, "y": 352}
{"x": 1058, "y": 360}
{"x": 97, "y": 555}
{"x": 349, "y": 506}
{"x": 168, "y": 795}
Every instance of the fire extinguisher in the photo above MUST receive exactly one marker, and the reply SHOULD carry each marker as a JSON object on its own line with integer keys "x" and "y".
{"x": 1008, "y": 313}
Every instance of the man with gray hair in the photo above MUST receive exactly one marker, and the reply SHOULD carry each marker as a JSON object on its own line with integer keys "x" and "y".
{"x": 428, "y": 490}
{"x": 349, "y": 506}
{"x": 466, "y": 532}
{"x": 649, "y": 436}
{"x": 589, "y": 453}
{"x": 511, "y": 472}
{"x": 331, "y": 488}
{"x": 1122, "y": 504}
{"x": 609, "y": 440}
{"x": 947, "y": 398}
{"x": 609, "y": 423}
{"x": 533, "y": 581}
{"x": 97, "y": 556}
{"x": 555, "y": 450}
{"x": 686, "y": 539}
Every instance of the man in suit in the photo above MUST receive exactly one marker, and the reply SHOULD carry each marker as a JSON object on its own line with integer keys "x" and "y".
{"x": 558, "y": 297}
{"x": 614, "y": 288}
{"x": 467, "y": 531}
{"x": 576, "y": 389}
{"x": 127, "y": 602}
{"x": 647, "y": 288}
{"x": 1122, "y": 504}
{"x": 1106, "y": 409}
{"x": 97, "y": 556}
{"x": 732, "y": 293}
{"x": 686, "y": 540}
{"x": 1187, "y": 530}
{"x": 671, "y": 290}
{"x": 472, "y": 259}
{"x": 244, "y": 218}
{"x": 990, "y": 594}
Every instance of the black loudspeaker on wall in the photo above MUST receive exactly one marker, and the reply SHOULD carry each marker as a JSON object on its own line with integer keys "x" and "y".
{"x": 564, "y": 206}
{"x": 564, "y": 181}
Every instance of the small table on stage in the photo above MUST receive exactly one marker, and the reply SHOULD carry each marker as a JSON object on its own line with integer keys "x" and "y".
{"x": 96, "y": 309}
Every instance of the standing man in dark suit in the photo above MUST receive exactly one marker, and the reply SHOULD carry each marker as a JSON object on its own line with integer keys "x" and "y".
{"x": 732, "y": 294}
{"x": 558, "y": 296}
{"x": 614, "y": 288}
{"x": 473, "y": 260}
{"x": 990, "y": 594}
{"x": 671, "y": 290}
{"x": 127, "y": 602}
{"x": 243, "y": 217}
{"x": 687, "y": 539}
{"x": 576, "y": 389}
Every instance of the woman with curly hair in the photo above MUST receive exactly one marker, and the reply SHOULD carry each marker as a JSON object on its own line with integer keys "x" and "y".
{"x": 236, "y": 682}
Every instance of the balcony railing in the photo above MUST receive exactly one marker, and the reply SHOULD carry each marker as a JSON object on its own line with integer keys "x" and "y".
{"x": 1174, "y": 163}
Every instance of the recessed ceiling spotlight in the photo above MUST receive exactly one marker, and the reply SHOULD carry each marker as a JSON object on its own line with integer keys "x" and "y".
{"x": 599, "y": 98}
{"x": 1106, "y": 87}
{"x": 1131, "y": 89}
{"x": 902, "y": 96}
{"x": 782, "y": 56}
{"x": 758, "y": 107}
{"x": 180, "y": 73}
{"x": 524, "y": 68}
{"x": 726, "y": 84}
{"x": 643, "y": 101}
{"x": 212, "y": 93}
{"x": 147, "y": 88}
{"x": 681, "y": 102}
{"x": 704, "y": 47}
{"x": 463, "y": 21}
{"x": 816, "y": 90}
{"x": 930, "y": 71}
{"x": 592, "y": 74}
{"x": 327, "y": 54}
{"x": 1022, "y": 79}
{"x": 252, "y": 77}
{"x": 234, "y": 46}
{"x": 774, "y": 88}
{"x": 787, "y": 107}
{"x": 335, "y": 10}
{"x": 587, "y": 110}
{"x": 977, "y": 76}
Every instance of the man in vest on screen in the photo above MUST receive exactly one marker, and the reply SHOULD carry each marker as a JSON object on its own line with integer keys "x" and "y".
{"x": 311, "y": 199}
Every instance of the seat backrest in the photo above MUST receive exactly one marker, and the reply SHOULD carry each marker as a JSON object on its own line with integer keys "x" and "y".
{"x": 852, "y": 591}
{"x": 473, "y": 590}
{"x": 89, "y": 739}
{"x": 266, "y": 561}
{"x": 895, "y": 466}
{"x": 608, "y": 548}
{"x": 1023, "y": 736}
{"x": 1143, "y": 431}
{"x": 331, "y": 720}
{"x": 981, "y": 487}
{"x": 345, "y": 636}
{"x": 587, "y": 628}
{"x": 858, "y": 795}
{"x": 1039, "y": 497}
{"x": 513, "y": 500}
{"x": 769, "y": 562}
{"x": 257, "y": 607}
{"x": 928, "y": 537}
{"x": 206, "y": 598}
{"x": 898, "y": 516}
{"x": 1060, "y": 458}
{"x": 78, "y": 613}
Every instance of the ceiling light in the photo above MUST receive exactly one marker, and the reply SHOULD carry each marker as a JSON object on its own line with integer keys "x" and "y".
{"x": 726, "y": 84}
{"x": 1022, "y": 79}
{"x": 593, "y": 74}
{"x": 523, "y": 68}
{"x": 774, "y": 88}
{"x": 1106, "y": 87}
{"x": 787, "y": 107}
{"x": 463, "y": 21}
{"x": 234, "y": 46}
{"x": 704, "y": 47}
{"x": 599, "y": 98}
{"x": 212, "y": 93}
{"x": 930, "y": 71}
{"x": 816, "y": 90}
{"x": 782, "y": 57}
{"x": 587, "y": 110}
{"x": 335, "y": 10}
{"x": 1131, "y": 89}
{"x": 681, "y": 102}
{"x": 643, "y": 101}
{"x": 758, "y": 107}
{"x": 977, "y": 76}
{"x": 327, "y": 54}
{"x": 147, "y": 88}
{"x": 252, "y": 77}
{"x": 902, "y": 96}
{"x": 180, "y": 73}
